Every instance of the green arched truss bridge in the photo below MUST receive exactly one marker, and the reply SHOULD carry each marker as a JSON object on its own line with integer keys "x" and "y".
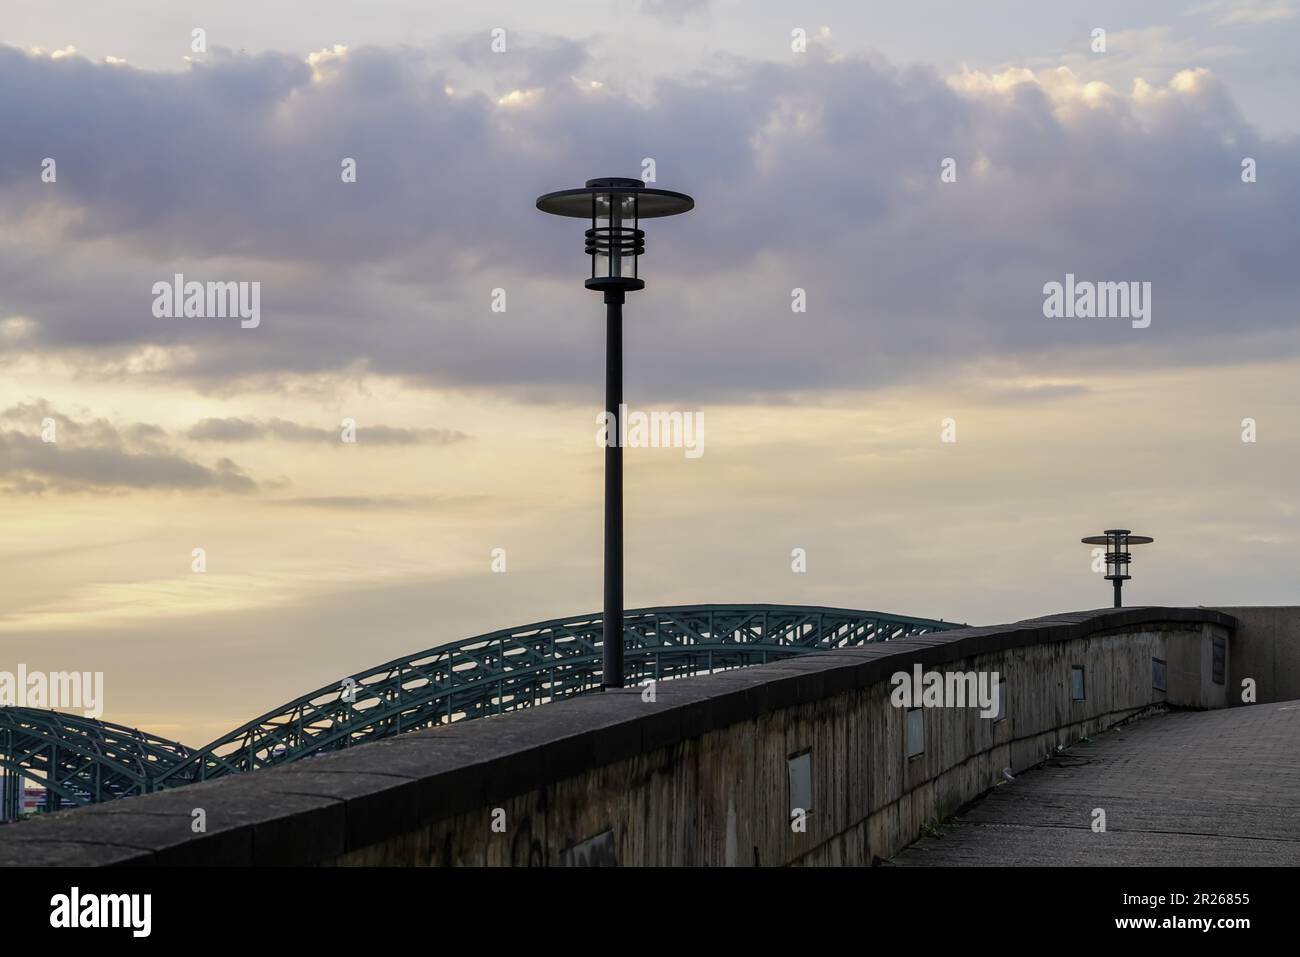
{"x": 84, "y": 761}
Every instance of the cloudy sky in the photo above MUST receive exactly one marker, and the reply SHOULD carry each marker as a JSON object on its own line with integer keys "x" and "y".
{"x": 818, "y": 169}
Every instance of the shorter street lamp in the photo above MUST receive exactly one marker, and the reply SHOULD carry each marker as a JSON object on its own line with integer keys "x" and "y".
{"x": 1117, "y": 541}
{"x": 615, "y": 241}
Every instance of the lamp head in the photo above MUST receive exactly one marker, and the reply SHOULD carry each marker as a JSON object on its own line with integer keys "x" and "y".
{"x": 615, "y": 241}
{"x": 1118, "y": 557}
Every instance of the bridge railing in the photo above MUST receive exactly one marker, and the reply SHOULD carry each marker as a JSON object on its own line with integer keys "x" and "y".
{"x": 710, "y": 770}
{"x": 83, "y": 761}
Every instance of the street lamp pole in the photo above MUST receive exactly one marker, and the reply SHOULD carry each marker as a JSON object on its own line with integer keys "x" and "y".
{"x": 614, "y": 247}
{"x": 612, "y": 651}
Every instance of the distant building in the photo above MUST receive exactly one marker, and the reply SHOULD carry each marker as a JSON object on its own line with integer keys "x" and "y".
{"x": 32, "y": 800}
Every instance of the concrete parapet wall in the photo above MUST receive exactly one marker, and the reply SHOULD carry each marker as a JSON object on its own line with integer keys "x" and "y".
{"x": 701, "y": 775}
{"x": 1266, "y": 648}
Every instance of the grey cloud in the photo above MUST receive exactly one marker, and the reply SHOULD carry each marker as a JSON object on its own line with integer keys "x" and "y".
{"x": 822, "y": 174}
{"x": 1040, "y": 393}
{"x": 376, "y": 503}
{"x": 534, "y": 62}
{"x": 91, "y": 455}
{"x": 674, "y": 11}
{"x": 225, "y": 430}
{"x": 233, "y": 429}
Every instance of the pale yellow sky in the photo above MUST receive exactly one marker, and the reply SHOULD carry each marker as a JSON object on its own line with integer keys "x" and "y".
{"x": 892, "y": 518}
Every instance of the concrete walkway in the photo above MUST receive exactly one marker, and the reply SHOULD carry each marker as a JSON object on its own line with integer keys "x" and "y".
{"x": 1190, "y": 788}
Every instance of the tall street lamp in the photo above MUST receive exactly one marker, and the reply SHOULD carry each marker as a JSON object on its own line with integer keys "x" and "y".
{"x": 1117, "y": 541}
{"x": 612, "y": 203}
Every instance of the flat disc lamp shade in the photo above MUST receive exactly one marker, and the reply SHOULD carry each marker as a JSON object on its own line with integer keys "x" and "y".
{"x": 651, "y": 203}
{"x": 1118, "y": 557}
{"x": 615, "y": 206}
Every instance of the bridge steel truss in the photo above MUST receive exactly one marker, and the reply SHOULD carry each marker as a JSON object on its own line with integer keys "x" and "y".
{"x": 84, "y": 761}
{"x": 77, "y": 760}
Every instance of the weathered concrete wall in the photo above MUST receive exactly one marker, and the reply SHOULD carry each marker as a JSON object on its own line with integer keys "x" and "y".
{"x": 701, "y": 775}
{"x": 723, "y": 798}
{"x": 1266, "y": 647}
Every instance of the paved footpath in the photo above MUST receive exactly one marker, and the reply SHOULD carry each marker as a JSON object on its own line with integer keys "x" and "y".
{"x": 1188, "y": 788}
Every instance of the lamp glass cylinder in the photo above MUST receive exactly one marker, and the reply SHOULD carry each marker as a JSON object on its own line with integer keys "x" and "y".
{"x": 614, "y": 239}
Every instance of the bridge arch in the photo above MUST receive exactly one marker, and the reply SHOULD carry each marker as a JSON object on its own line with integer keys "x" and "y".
{"x": 78, "y": 760}
{"x": 86, "y": 761}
